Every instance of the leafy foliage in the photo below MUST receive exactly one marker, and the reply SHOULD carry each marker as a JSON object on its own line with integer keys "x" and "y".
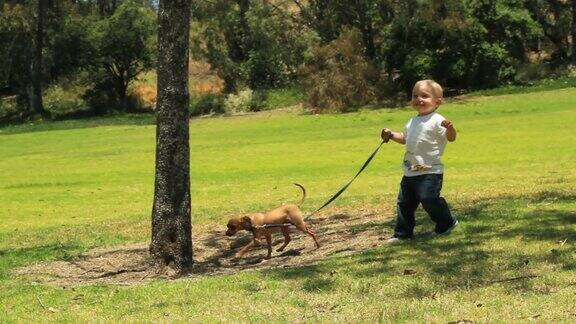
{"x": 70, "y": 48}
{"x": 461, "y": 44}
{"x": 249, "y": 43}
{"x": 125, "y": 47}
{"x": 336, "y": 76}
{"x": 209, "y": 103}
{"x": 62, "y": 100}
{"x": 475, "y": 43}
{"x": 15, "y": 52}
{"x": 262, "y": 45}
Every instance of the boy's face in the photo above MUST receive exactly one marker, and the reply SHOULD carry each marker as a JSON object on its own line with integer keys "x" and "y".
{"x": 424, "y": 101}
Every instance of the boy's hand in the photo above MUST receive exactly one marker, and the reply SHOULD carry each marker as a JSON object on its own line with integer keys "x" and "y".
{"x": 386, "y": 135}
{"x": 450, "y": 130}
{"x": 447, "y": 124}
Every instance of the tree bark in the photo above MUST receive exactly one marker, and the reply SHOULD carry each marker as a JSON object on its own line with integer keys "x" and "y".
{"x": 35, "y": 87}
{"x": 365, "y": 27}
{"x": 238, "y": 37}
{"x": 574, "y": 31}
{"x": 171, "y": 243}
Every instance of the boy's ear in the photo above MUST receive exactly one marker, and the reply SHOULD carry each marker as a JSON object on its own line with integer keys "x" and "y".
{"x": 439, "y": 101}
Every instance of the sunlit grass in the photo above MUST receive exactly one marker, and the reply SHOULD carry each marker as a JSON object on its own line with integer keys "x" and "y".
{"x": 69, "y": 186}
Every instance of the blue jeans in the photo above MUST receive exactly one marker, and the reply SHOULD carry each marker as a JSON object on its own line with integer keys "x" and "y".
{"x": 425, "y": 190}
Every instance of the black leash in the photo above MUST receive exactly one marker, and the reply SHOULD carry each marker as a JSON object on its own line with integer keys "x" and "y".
{"x": 336, "y": 195}
{"x": 271, "y": 225}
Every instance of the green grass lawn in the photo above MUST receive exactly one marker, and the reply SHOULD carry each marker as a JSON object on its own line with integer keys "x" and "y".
{"x": 71, "y": 186}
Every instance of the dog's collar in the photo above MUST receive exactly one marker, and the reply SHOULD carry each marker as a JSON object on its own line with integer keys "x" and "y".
{"x": 252, "y": 227}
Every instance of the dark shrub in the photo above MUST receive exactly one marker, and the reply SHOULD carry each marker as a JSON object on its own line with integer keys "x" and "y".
{"x": 336, "y": 77}
{"x": 207, "y": 104}
{"x": 258, "y": 101}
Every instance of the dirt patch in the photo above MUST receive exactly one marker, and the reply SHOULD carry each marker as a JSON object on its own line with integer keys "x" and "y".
{"x": 339, "y": 232}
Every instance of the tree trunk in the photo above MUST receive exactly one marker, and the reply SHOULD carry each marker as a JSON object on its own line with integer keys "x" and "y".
{"x": 239, "y": 36}
{"x": 35, "y": 87}
{"x": 245, "y": 37}
{"x": 171, "y": 243}
{"x": 321, "y": 20}
{"x": 120, "y": 82}
{"x": 574, "y": 31}
{"x": 365, "y": 26}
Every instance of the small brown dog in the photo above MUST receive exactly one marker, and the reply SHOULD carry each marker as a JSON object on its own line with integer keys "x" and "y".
{"x": 264, "y": 224}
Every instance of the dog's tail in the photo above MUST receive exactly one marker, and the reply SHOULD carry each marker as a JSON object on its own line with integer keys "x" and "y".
{"x": 303, "y": 194}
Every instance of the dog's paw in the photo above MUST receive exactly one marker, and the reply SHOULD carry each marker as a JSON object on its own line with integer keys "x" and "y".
{"x": 291, "y": 253}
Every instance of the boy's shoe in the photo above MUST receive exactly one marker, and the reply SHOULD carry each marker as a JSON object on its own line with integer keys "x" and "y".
{"x": 446, "y": 232}
{"x": 395, "y": 240}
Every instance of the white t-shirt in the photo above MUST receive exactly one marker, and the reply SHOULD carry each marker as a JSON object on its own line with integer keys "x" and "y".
{"x": 425, "y": 143}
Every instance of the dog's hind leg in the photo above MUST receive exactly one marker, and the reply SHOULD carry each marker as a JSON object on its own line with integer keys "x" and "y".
{"x": 307, "y": 230}
{"x": 311, "y": 233}
{"x": 297, "y": 219}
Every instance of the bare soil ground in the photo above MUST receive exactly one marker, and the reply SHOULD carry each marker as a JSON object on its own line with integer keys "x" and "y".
{"x": 340, "y": 232}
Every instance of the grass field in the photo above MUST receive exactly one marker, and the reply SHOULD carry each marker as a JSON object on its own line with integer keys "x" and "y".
{"x": 68, "y": 187}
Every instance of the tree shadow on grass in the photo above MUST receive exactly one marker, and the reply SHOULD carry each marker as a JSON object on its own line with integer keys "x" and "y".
{"x": 12, "y": 258}
{"x": 42, "y": 126}
{"x": 339, "y": 234}
{"x": 488, "y": 247}
{"x": 499, "y": 241}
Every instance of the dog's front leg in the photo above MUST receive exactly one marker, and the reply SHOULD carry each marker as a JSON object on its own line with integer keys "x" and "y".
{"x": 269, "y": 241}
{"x": 286, "y": 233}
{"x": 245, "y": 249}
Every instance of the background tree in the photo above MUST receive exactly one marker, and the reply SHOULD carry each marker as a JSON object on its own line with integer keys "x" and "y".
{"x": 16, "y": 30}
{"x": 554, "y": 17}
{"x": 91, "y": 51}
{"x": 573, "y": 33}
{"x": 337, "y": 77}
{"x": 22, "y": 43}
{"x": 367, "y": 16}
{"x": 34, "y": 52}
{"x": 69, "y": 50}
{"x": 250, "y": 43}
{"x": 35, "y": 86}
{"x": 124, "y": 48}
{"x": 477, "y": 43}
{"x": 171, "y": 243}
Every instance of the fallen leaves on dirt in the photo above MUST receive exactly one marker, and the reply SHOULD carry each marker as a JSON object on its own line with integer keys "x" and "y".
{"x": 340, "y": 233}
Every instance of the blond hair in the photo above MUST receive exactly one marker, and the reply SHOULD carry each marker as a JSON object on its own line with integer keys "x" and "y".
{"x": 436, "y": 88}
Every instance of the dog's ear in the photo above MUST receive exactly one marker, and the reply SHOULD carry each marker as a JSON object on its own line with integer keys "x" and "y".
{"x": 246, "y": 222}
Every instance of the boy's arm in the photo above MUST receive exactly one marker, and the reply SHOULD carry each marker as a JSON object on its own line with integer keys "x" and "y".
{"x": 450, "y": 130}
{"x": 395, "y": 136}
